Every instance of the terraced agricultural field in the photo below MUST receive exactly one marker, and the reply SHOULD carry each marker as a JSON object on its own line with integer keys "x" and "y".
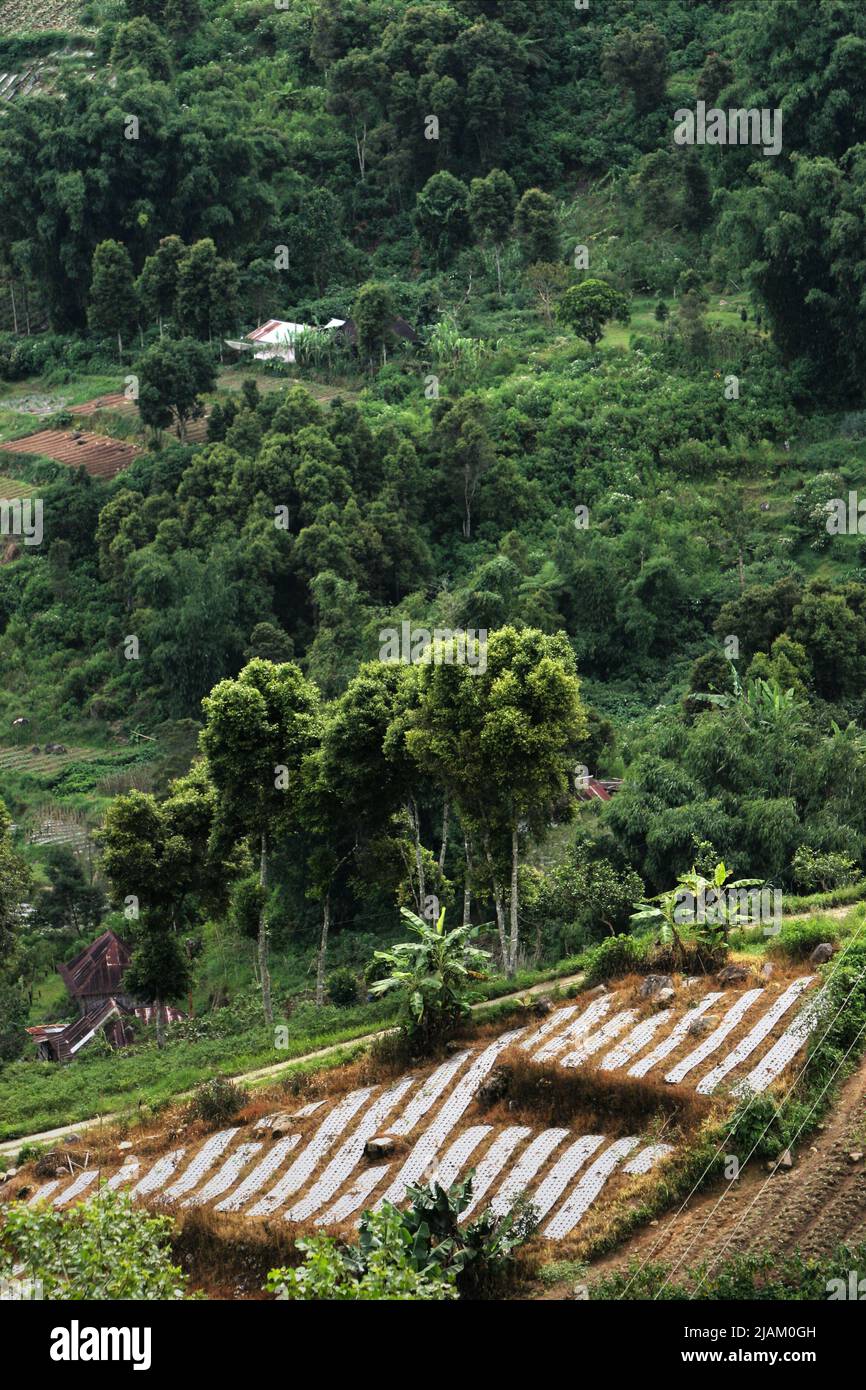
{"x": 315, "y": 1165}
{"x": 33, "y": 16}
{"x": 10, "y": 488}
{"x": 18, "y": 758}
{"x": 100, "y": 456}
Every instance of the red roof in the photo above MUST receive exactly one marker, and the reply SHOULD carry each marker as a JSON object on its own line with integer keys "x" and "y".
{"x": 99, "y": 969}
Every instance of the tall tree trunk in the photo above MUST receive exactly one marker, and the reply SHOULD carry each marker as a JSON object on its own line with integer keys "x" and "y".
{"x": 419, "y": 858}
{"x": 467, "y": 886}
{"x": 498, "y": 904}
{"x": 14, "y": 310}
{"x": 119, "y": 349}
{"x": 445, "y": 813}
{"x": 512, "y": 953}
{"x": 160, "y": 1023}
{"x": 323, "y": 946}
{"x": 498, "y": 258}
{"x": 264, "y": 934}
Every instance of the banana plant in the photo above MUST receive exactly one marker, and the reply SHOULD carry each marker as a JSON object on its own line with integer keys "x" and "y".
{"x": 434, "y": 972}
{"x": 722, "y": 909}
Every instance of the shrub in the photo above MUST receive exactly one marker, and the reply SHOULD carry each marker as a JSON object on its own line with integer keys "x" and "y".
{"x": 343, "y": 986}
{"x": 102, "y": 1249}
{"x": 216, "y": 1101}
{"x": 422, "y": 1253}
{"x": 797, "y": 940}
{"x": 385, "y": 1272}
{"x": 616, "y": 955}
{"x": 432, "y": 975}
{"x": 817, "y": 872}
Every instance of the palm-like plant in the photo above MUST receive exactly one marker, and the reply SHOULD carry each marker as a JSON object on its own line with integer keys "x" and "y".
{"x": 666, "y": 912}
{"x": 434, "y": 973}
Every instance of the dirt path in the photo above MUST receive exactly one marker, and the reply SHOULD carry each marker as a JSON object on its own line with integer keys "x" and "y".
{"x": 813, "y": 1207}
{"x": 251, "y": 1078}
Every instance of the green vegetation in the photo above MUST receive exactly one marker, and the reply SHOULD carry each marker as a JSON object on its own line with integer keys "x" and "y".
{"x": 519, "y": 591}
{"x": 100, "y": 1250}
{"x": 421, "y": 1253}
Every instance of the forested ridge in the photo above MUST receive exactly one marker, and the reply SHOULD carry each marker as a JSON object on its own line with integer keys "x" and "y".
{"x": 601, "y": 396}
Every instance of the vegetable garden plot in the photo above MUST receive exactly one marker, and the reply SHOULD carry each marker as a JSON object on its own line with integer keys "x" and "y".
{"x": 716, "y": 1038}
{"x": 525, "y": 1169}
{"x": 596, "y": 1041}
{"x": 747, "y": 1045}
{"x": 569, "y": 1169}
{"x": 589, "y": 1187}
{"x": 204, "y": 1159}
{"x": 784, "y": 1050}
{"x": 492, "y": 1164}
{"x": 349, "y": 1203}
{"x": 596, "y": 1011}
{"x": 674, "y": 1038}
{"x": 256, "y": 1180}
{"x": 328, "y": 1132}
{"x": 349, "y": 1156}
{"x": 432, "y": 1139}
{"x": 226, "y": 1177}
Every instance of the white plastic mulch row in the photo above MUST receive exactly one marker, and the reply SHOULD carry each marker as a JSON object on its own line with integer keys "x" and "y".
{"x": 459, "y": 1154}
{"x": 746, "y": 1046}
{"x": 784, "y": 1050}
{"x": 349, "y": 1155}
{"x": 75, "y": 1189}
{"x": 550, "y": 1025}
{"x": 588, "y": 1188}
{"x": 634, "y": 1042}
{"x": 358, "y": 1193}
{"x": 533, "y": 1157}
{"x": 322, "y": 1141}
{"x": 716, "y": 1038}
{"x": 429, "y": 1093}
{"x": 588, "y": 1019}
{"x": 160, "y": 1173}
{"x": 493, "y": 1163}
{"x": 227, "y": 1175}
{"x": 44, "y": 1192}
{"x": 674, "y": 1037}
{"x": 551, "y": 1189}
{"x": 426, "y": 1148}
{"x": 256, "y": 1180}
{"x": 204, "y": 1159}
{"x": 130, "y": 1170}
{"x": 596, "y": 1041}
{"x": 647, "y": 1158}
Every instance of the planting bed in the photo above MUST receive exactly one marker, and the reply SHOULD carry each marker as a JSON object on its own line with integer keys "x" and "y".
{"x": 312, "y": 1165}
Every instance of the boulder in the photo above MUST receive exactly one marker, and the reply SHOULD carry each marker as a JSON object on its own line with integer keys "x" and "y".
{"x": 380, "y": 1147}
{"x": 767, "y": 971}
{"x": 594, "y": 993}
{"x": 665, "y": 995}
{"x": 541, "y": 1007}
{"x": 699, "y": 1027}
{"x": 784, "y": 1162}
{"x": 494, "y": 1088}
{"x": 856, "y": 1156}
{"x": 653, "y": 984}
{"x": 733, "y": 975}
{"x": 822, "y": 954}
{"x": 275, "y": 1127}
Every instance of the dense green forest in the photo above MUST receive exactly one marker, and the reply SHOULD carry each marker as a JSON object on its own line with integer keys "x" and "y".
{"x": 633, "y": 388}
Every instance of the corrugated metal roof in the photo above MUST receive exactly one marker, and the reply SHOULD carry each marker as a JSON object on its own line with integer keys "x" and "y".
{"x": 99, "y": 969}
